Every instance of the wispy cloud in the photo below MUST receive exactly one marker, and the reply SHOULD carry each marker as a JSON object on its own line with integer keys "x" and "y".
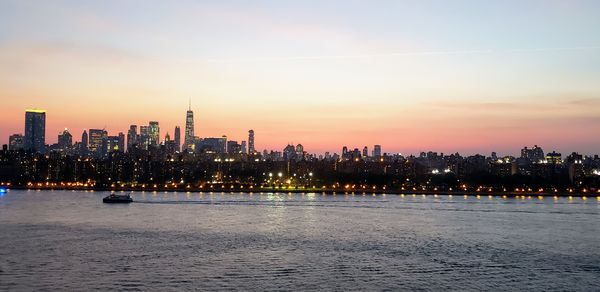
{"x": 398, "y": 54}
{"x": 354, "y": 56}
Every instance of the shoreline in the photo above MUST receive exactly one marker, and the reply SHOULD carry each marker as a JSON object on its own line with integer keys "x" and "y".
{"x": 328, "y": 191}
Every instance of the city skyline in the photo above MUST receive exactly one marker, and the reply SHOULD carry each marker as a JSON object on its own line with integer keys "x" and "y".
{"x": 417, "y": 77}
{"x": 149, "y": 135}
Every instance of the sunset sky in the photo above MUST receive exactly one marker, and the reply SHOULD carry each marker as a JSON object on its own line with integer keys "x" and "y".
{"x": 467, "y": 76}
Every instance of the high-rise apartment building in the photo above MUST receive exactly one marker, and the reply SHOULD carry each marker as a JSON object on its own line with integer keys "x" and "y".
{"x": 177, "y": 139}
{"x": 15, "y": 142}
{"x": 65, "y": 140}
{"x": 35, "y": 130}
{"x": 132, "y": 137}
{"x": 251, "y": 149}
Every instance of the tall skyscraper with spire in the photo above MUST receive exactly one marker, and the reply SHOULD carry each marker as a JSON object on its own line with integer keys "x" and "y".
{"x": 189, "y": 139}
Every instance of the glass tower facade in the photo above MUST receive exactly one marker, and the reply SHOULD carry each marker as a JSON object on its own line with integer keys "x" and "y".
{"x": 35, "y": 130}
{"x": 189, "y": 131}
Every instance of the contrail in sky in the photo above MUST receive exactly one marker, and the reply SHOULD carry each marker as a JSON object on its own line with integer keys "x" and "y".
{"x": 400, "y": 54}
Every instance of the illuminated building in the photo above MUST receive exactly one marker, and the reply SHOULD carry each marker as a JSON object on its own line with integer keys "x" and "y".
{"x": 554, "y": 158}
{"x": 144, "y": 141}
{"x": 35, "y": 130}
{"x": 96, "y": 137}
{"x": 535, "y": 154}
{"x": 214, "y": 145}
{"x": 114, "y": 143}
{"x": 15, "y": 142}
{"x": 154, "y": 134}
{"x": 65, "y": 140}
{"x": 251, "y": 149}
{"x": 189, "y": 139}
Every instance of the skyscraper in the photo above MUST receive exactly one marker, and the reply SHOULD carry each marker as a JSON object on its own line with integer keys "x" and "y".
{"x": 365, "y": 152}
{"x": 84, "y": 143}
{"x": 113, "y": 144}
{"x": 189, "y": 131}
{"x": 251, "y": 149}
{"x": 84, "y": 139}
{"x": 121, "y": 142}
{"x": 244, "y": 149}
{"x": 377, "y": 151}
{"x": 154, "y": 133}
{"x": 35, "y": 130}
{"x": 144, "y": 137}
{"x": 132, "y": 137}
{"x": 177, "y": 139}
{"x": 96, "y": 137}
{"x": 65, "y": 140}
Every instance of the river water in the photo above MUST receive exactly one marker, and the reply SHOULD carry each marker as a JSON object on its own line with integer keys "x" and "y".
{"x": 69, "y": 240}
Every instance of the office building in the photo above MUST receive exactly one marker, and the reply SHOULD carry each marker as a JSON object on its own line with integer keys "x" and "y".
{"x": 113, "y": 144}
{"x": 96, "y": 137}
{"x": 211, "y": 145}
{"x": 154, "y": 134}
{"x": 189, "y": 138}
{"x": 144, "y": 141}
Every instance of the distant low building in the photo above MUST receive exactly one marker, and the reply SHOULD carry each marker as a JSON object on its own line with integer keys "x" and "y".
{"x": 554, "y": 158}
{"x": 216, "y": 145}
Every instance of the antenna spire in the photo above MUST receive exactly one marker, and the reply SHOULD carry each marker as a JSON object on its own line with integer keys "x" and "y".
{"x": 190, "y": 108}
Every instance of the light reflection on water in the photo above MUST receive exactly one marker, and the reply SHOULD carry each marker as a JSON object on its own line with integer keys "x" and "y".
{"x": 61, "y": 240}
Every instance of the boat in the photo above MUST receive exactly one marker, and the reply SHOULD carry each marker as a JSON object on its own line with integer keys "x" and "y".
{"x": 114, "y": 198}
